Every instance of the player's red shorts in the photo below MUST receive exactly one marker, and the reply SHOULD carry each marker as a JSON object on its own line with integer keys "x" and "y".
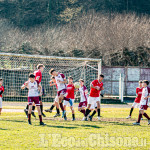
{"x": 34, "y": 99}
{"x": 63, "y": 92}
{"x": 143, "y": 107}
{"x": 82, "y": 104}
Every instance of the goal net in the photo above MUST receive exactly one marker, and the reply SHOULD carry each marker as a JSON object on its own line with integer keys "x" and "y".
{"x": 15, "y": 68}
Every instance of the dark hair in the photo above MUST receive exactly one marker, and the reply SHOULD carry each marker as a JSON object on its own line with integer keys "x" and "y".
{"x": 81, "y": 80}
{"x": 52, "y": 77}
{"x": 146, "y": 81}
{"x": 101, "y": 75}
{"x": 39, "y": 66}
{"x": 70, "y": 77}
{"x": 140, "y": 81}
{"x": 51, "y": 71}
{"x": 31, "y": 75}
{"x": 1, "y": 79}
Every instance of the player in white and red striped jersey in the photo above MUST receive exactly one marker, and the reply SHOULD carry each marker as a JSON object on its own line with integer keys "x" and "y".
{"x": 70, "y": 94}
{"x": 1, "y": 92}
{"x": 94, "y": 97}
{"x": 144, "y": 103}
{"x": 56, "y": 101}
{"x": 137, "y": 99}
{"x": 33, "y": 96}
{"x": 83, "y": 97}
{"x": 62, "y": 88}
{"x": 38, "y": 77}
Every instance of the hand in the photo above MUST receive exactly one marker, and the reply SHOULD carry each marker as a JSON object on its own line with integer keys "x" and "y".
{"x": 97, "y": 88}
{"x": 26, "y": 83}
{"x": 145, "y": 98}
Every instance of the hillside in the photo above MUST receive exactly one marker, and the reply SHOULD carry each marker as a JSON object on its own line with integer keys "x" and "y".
{"x": 115, "y": 30}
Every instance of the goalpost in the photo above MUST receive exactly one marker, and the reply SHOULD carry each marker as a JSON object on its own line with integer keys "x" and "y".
{"x": 15, "y": 68}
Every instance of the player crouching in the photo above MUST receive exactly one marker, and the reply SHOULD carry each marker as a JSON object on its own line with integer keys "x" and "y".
{"x": 33, "y": 96}
{"x": 144, "y": 102}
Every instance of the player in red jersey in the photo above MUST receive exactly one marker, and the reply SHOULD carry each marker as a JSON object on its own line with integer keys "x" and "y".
{"x": 1, "y": 92}
{"x": 62, "y": 89}
{"x": 144, "y": 103}
{"x": 33, "y": 96}
{"x": 137, "y": 99}
{"x": 94, "y": 97}
{"x": 38, "y": 77}
{"x": 70, "y": 94}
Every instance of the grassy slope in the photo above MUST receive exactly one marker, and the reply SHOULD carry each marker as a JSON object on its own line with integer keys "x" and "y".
{"x": 15, "y": 133}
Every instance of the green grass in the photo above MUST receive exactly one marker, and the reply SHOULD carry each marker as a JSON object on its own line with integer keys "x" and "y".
{"x": 15, "y": 133}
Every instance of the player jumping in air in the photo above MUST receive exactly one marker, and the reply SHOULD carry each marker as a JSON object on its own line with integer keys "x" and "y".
{"x": 94, "y": 97}
{"x": 83, "y": 94}
{"x": 137, "y": 99}
{"x": 62, "y": 89}
{"x": 144, "y": 102}
{"x": 56, "y": 101}
{"x": 1, "y": 92}
{"x": 70, "y": 94}
{"x": 33, "y": 96}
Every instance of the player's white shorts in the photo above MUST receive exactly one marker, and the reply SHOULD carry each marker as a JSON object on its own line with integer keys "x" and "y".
{"x": 93, "y": 100}
{"x": 57, "y": 99}
{"x": 66, "y": 102}
{"x": 93, "y": 106}
{"x": 136, "y": 105}
{"x": 0, "y": 102}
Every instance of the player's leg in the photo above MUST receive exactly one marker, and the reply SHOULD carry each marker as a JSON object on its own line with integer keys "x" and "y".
{"x": 64, "y": 107}
{"x": 41, "y": 106}
{"x": 0, "y": 105}
{"x": 93, "y": 107}
{"x": 26, "y": 110}
{"x": 57, "y": 106}
{"x": 29, "y": 113}
{"x": 131, "y": 110}
{"x": 61, "y": 97}
{"x": 98, "y": 109}
{"x": 72, "y": 110}
{"x": 146, "y": 116}
{"x": 33, "y": 109}
{"x": 51, "y": 108}
{"x": 81, "y": 109}
{"x": 38, "y": 104}
{"x": 90, "y": 102}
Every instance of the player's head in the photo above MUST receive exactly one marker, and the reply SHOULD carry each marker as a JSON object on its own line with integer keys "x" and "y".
{"x": 53, "y": 78}
{"x": 53, "y": 72}
{"x": 41, "y": 67}
{"x": 31, "y": 77}
{"x": 145, "y": 83}
{"x": 81, "y": 82}
{"x": 70, "y": 80}
{"x": 101, "y": 77}
{"x": 140, "y": 83}
{"x": 1, "y": 81}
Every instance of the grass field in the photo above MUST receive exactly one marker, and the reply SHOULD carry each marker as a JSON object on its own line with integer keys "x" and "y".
{"x": 113, "y": 132}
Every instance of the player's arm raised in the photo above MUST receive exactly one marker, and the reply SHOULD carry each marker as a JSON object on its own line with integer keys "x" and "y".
{"x": 24, "y": 85}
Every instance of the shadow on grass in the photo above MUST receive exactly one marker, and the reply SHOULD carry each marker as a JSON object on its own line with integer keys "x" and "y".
{"x": 87, "y": 125}
{"x": 3, "y": 129}
{"x": 15, "y": 120}
{"x": 52, "y": 126}
{"x": 119, "y": 123}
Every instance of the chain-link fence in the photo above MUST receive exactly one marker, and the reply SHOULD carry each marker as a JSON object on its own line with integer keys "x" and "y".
{"x": 15, "y": 68}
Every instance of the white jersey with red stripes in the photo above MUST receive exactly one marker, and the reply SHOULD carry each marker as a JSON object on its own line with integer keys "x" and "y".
{"x": 145, "y": 93}
{"x": 33, "y": 88}
{"x": 82, "y": 93}
{"x": 58, "y": 78}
